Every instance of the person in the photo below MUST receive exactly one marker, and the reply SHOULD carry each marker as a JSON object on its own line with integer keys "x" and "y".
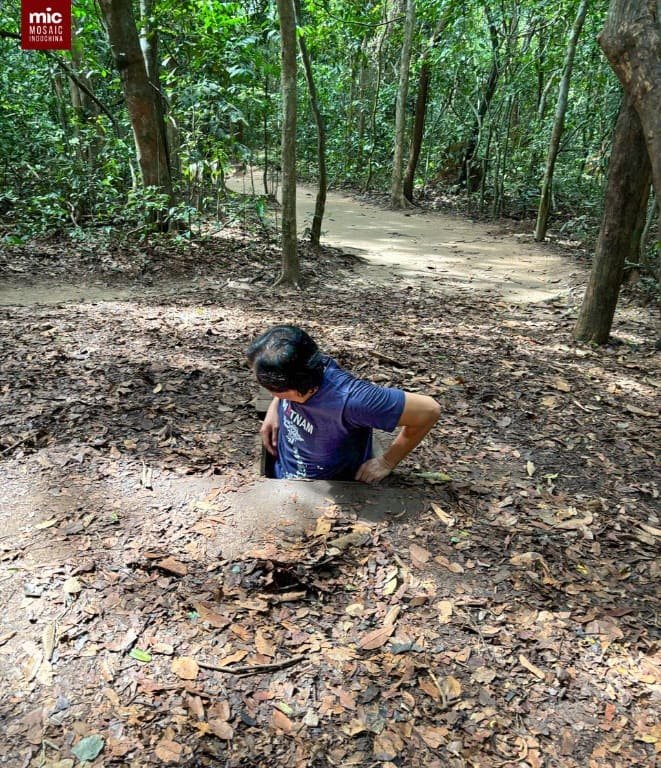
{"x": 320, "y": 421}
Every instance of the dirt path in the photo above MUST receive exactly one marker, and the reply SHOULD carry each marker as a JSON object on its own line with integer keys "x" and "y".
{"x": 459, "y": 254}
{"x": 456, "y": 254}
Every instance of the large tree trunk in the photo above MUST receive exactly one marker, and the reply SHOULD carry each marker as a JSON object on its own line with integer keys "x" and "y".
{"x": 559, "y": 124}
{"x": 290, "y": 266}
{"x": 141, "y": 99}
{"x": 320, "y": 204}
{"x": 422, "y": 98}
{"x": 397, "y": 199}
{"x": 628, "y": 184}
{"x": 631, "y": 40}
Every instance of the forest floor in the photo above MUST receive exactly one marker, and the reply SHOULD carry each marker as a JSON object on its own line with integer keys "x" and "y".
{"x": 511, "y": 622}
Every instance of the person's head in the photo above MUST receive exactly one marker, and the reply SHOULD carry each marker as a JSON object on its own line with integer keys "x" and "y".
{"x": 287, "y": 362}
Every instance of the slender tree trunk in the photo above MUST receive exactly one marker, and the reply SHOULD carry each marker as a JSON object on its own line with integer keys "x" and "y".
{"x": 559, "y": 123}
{"x": 628, "y": 185}
{"x": 149, "y": 47}
{"x": 631, "y": 40}
{"x": 141, "y": 99}
{"x": 466, "y": 167}
{"x": 320, "y": 204}
{"x": 632, "y": 267}
{"x": 348, "y": 128}
{"x": 421, "y": 110}
{"x": 290, "y": 267}
{"x": 397, "y": 199}
{"x": 646, "y": 235}
{"x": 363, "y": 72}
{"x": 265, "y": 128}
{"x": 82, "y": 104}
{"x": 377, "y": 92}
{"x": 59, "y": 90}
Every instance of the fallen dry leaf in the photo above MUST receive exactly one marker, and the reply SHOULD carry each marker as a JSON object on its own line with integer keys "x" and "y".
{"x": 387, "y": 745}
{"x": 445, "y": 609}
{"x": 232, "y": 658}
{"x": 171, "y": 565}
{"x": 168, "y": 751}
{"x": 443, "y": 516}
{"x": 561, "y": 384}
{"x": 263, "y": 644}
{"x": 430, "y": 688}
{"x": 71, "y": 586}
{"x": 280, "y": 721}
{"x": 433, "y": 736}
{"x": 323, "y": 526}
{"x": 376, "y": 638}
{"x": 531, "y": 667}
{"x": 419, "y": 555}
{"x": 209, "y": 615}
{"x": 445, "y": 563}
{"x": 222, "y": 729}
{"x": 185, "y": 668}
{"x": 450, "y": 687}
{"x": 604, "y": 628}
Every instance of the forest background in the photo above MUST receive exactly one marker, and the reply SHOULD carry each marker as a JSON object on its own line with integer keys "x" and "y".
{"x": 483, "y": 95}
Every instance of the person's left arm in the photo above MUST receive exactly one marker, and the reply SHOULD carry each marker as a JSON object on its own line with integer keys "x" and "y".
{"x": 418, "y": 417}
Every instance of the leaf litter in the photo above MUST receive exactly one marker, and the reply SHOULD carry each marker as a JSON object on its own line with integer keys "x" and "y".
{"x": 513, "y": 623}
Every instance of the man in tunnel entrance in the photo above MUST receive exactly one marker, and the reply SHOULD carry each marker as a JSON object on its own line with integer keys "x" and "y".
{"x": 320, "y": 421}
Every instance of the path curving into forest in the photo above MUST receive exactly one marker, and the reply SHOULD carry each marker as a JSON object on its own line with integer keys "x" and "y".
{"x": 457, "y": 253}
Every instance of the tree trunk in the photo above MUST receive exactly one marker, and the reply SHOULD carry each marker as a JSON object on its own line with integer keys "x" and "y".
{"x": 266, "y": 132}
{"x": 397, "y": 199}
{"x": 648, "y": 229}
{"x": 421, "y": 111}
{"x": 628, "y": 184}
{"x": 81, "y": 102}
{"x": 141, "y": 99}
{"x": 559, "y": 124}
{"x": 377, "y": 91}
{"x": 149, "y": 48}
{"x": 363, "y": 79}
{"x": 465, "y": 171}
{"x": 290, "y": 266}
{"x": 635, "y": 263}
{"x": 320, "y": 204}
{"x": 631, "y": 40}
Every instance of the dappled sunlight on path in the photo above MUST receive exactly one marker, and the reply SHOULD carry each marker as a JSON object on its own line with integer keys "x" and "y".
{"x": 457, "y": 253}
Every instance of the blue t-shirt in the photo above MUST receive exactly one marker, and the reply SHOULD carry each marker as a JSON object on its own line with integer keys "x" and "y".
{"x": 330, "y": 435}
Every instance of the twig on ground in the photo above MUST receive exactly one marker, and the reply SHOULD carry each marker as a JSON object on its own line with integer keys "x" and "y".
{"x": 386, "y": 359}
{"x": 253, "y": 668}
{"x": 17, "y": 443}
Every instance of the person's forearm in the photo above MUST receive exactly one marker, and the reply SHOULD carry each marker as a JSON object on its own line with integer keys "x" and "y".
{"x": 404, "y": 443}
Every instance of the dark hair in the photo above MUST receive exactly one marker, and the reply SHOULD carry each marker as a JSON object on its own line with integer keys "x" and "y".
{"x": 285, "y": 357}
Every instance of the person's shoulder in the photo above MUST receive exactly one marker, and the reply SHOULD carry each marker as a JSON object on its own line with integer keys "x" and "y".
{"x": 336, "y": 374}
{"x": 332, "y": 370}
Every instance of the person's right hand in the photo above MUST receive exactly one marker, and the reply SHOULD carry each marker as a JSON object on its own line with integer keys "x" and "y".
{"x": 269, "y": 430}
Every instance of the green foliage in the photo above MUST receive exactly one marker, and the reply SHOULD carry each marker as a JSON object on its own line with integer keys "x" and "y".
{"x": 220, "y": 80}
